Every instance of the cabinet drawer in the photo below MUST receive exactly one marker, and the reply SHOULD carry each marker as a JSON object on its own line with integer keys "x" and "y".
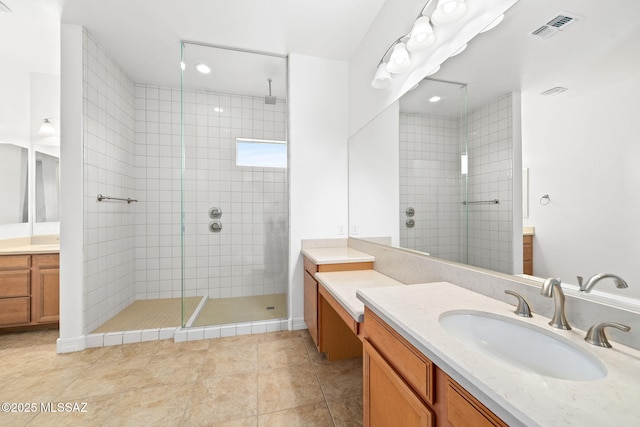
{"x": 14, "y": 283}
{"x": 14, "y": 311}
{"x": 46, "y": 261}
{"x": 15, "y": 262}
{"x": 412, "y": 365}
{"x": 465, "y": 410}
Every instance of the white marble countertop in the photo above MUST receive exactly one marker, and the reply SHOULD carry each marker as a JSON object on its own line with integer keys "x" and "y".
{"x": 31, "y": 249}
{"x": 338, "y": 255}
{"x": 342, "y": 285}
{"x": 518, "y": 396}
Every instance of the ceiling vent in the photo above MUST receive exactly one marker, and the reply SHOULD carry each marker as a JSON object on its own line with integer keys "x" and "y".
{"x": 554, "y": 91}
{"x": 554, "y": 25}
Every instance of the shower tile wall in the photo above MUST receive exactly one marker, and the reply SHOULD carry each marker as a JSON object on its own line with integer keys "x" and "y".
{"x": 430, "y": 182}
{"x": 248, "y": 257}
{"x": 490, "y": 177}
{"x": 109, "y": 169}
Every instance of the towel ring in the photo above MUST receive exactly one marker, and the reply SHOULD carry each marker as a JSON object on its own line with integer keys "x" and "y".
{"x": 544, "y": 200}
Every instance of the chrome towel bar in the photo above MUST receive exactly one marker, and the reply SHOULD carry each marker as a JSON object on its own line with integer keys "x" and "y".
{"x": 128, "y": 200}
{"x": 483, "y": 202}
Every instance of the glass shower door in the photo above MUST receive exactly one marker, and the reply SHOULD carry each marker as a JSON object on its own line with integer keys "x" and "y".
{"x": 234, "y": 190}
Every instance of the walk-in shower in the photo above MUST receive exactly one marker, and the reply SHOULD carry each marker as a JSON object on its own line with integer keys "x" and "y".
{"x": 205, "y": 155}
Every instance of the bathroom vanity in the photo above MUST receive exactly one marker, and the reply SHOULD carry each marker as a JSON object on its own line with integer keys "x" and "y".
{"x": 29, "y": 285}
{"x": 418, "y": 372}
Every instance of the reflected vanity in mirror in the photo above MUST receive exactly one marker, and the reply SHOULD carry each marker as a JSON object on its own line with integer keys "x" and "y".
{"x": 577, "y": 145}
{"x": 14, "y": 184}
{"x": 47, "y": 187}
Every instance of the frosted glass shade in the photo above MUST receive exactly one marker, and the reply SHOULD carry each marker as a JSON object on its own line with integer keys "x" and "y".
{"x": 382, "y": 79}
{"x": 399, "y": 61}
{"x": 448, "y": 11}
{"x": 421, "y": 36}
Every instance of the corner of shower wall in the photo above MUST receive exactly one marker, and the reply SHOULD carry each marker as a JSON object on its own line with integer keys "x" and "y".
{"x": 491, "y": 177}
{"x": 108, "y": 169}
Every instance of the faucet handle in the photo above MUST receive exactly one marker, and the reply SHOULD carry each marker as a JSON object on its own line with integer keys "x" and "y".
{"x": 580, "y": 280}
{"x": 523, "y": 309}
{"x": 596, "y": 335}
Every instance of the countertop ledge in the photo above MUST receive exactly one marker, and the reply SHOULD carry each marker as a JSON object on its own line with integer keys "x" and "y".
{"x": 517, "y": 396}
{"x": 31, "y": 249}
{"x": 342, "y": 285}
{"x": 340, "y": 255}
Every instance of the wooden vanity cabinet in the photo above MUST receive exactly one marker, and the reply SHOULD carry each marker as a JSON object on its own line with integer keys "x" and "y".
{"x": 29, "y": 290}
{"x": 319, "y": 314}
{"x": 402, "y": 386}
{"x": 45, "y": 288}
{"x": 527, "y": 254}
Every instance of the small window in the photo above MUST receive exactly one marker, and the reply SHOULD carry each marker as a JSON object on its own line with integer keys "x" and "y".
{"x": 261, "y": 153}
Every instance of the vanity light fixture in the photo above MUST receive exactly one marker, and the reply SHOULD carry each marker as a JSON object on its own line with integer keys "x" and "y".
{"x": 442, "y": 29}
{"x": 203, "y": 68}
{"x": 47, "y": 128}
{"x": 448, "y": 11}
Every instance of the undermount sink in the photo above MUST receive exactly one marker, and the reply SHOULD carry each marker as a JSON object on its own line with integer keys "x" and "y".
{"x": 525, "y": 346}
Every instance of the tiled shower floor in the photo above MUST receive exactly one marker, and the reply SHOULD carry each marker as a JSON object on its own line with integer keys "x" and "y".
{"x": 166, "y": 312}
{"x": 274, "y": 379}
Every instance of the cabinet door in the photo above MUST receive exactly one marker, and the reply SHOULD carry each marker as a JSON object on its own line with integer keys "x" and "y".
{"x": 311, "y": 306}
{"x": 388, "y": 400}
{"x": 46, "y": 301}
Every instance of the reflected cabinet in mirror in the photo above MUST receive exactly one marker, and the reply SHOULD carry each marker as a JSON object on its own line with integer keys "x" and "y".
{"x": 562, "y": 107}
{"x": 47, "y": 187}
{"x": 14, "y": 184}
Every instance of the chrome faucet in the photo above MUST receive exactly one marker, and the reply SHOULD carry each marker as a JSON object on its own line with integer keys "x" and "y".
{"x": 589, "y": 284}
{"x": 553, "y": 288}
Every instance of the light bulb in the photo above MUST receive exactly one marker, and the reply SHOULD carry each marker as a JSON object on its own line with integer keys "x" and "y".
{"x": 399, "y": 60}
{"x": 382, "y": 79}
{"x": 421, "y": 36}
{"x": 448, "y": 11}
{"x": 203, "y": 68}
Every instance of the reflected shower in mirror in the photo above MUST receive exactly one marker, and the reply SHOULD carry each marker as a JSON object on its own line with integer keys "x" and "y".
{"x": 578, "y": 145}
{"x": 14, "y": 178}
{"x": 47, "y": 188}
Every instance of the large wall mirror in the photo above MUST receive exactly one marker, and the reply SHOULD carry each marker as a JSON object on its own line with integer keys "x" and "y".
{"x": 578, "y": 146}
{"x": 47, "y": 187}
{"x": 14, "y": 184}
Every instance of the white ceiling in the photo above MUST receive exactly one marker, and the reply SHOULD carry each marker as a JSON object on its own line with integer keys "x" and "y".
{"x": 144, "y": 36}
{"x": 603, "y": 45}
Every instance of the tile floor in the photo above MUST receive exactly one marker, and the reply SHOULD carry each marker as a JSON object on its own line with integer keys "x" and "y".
{"x": 275, "y": 379}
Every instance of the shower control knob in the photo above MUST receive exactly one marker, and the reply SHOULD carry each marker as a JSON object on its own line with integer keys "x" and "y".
{"x": 215, "y": 213}
{"x": 215, "y": 226}
{"x": 410, "y": 212}
{"x": 410, "y": 223}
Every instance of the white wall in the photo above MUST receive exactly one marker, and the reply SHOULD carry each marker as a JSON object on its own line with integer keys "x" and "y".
{"x": 582, "y": 149}
{"x": 374, "y": 187}
{"x": 71, "y": 202}
{"x": 318, "y": 160}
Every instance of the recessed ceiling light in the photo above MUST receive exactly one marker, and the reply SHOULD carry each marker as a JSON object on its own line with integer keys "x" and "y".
{"x": 203, "y": 68}
{"x": 434, "y": 99}
{"x": 218, "y": 110}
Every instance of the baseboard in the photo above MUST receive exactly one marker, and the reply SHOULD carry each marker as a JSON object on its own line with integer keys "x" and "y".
{"x": 70, "y": 345}
{"x": 298, "y": 323}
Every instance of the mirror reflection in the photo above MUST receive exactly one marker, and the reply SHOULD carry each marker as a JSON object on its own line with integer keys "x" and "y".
{"x": 577, "y": 145}
{"x": 47, "y": 187}
{"x": 14, "y": 184}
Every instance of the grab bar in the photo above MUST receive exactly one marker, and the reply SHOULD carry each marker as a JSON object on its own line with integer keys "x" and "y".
{"x": 128, "y": 199}
{"x": 482, "y": 202}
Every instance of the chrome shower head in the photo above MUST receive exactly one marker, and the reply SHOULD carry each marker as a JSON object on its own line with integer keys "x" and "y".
{"x": 270, "y": 100}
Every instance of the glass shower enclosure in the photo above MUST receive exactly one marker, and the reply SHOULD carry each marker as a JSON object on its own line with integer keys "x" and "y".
{"x": 233, "y": 187}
